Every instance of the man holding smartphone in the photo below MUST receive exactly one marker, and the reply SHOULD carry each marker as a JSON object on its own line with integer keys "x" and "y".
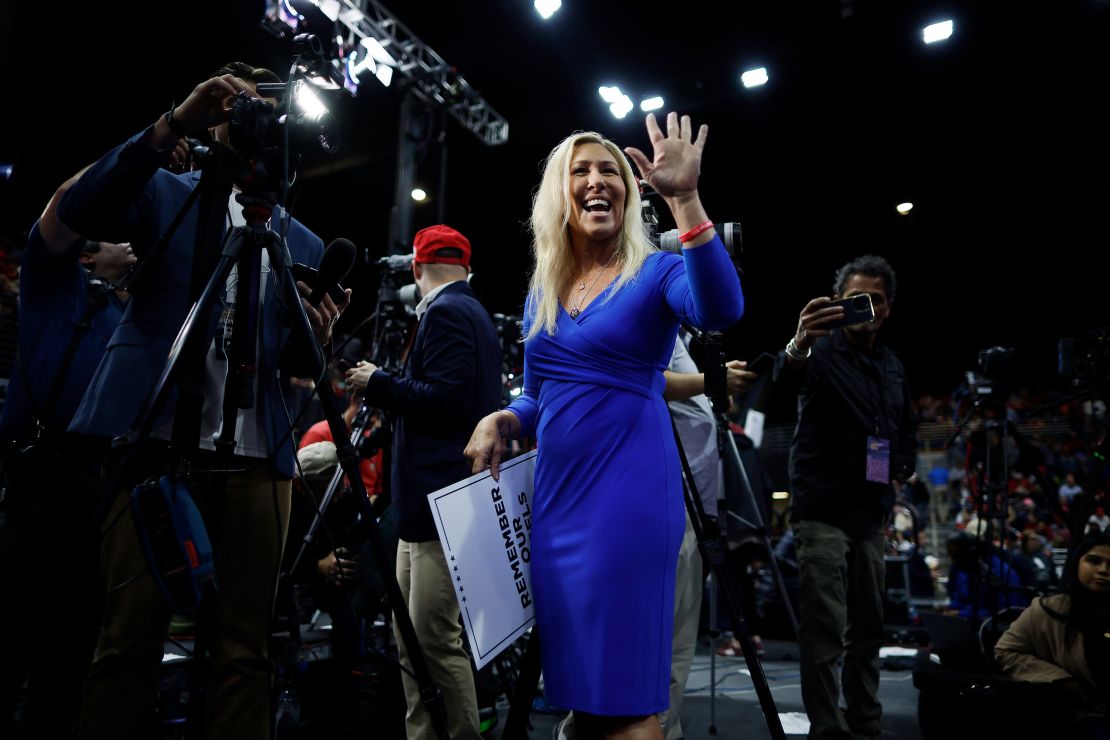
{"x": 856, "y": 435}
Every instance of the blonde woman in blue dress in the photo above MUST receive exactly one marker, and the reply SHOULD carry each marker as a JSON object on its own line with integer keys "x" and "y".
{"x": 600, "y": 322}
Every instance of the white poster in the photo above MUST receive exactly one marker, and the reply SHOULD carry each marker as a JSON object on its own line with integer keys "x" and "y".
{"x": 485, "y": 527}
{"x": 753, "y": 427}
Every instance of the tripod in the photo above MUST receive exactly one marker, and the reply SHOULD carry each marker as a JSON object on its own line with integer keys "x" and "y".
{"x": 993, "y": 478}
{"x": 712, "y": 548}
{"x": 243, "y": 250}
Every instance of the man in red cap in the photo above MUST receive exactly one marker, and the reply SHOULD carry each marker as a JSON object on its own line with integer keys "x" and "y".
{"x": 452, "y": 378}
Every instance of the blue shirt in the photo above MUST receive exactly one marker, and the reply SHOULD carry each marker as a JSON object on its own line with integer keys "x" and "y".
{"x": 52, "y": 300}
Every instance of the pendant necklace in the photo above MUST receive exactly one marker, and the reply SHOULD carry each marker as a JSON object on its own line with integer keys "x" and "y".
{"x": 585, "y": 291}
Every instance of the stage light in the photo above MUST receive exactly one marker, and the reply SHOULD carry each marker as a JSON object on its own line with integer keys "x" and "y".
{"x": 309, "y": 103}
{"x": 937, "y": 32}
{"x": 377, "y": 51}
{"x": 621, "y": 108}
{"x": 754, "y": 77}
{"x": 329, "y": 8}
{"x": 651, "y": 104}
{"x": 904, "y": 208}
{"x": 780, "y": 495}
{"x": 6, "y": 171}
{"x": 382, "y": 59}
{"x": 351, "y": 17}
{"x": 547, "y": 8}
{"x": 619, "y": 103}
{"x": 370, "y": 57}
{"x": 609, "y": 94}
{"x": 288, "y": 15}
{"x": 419, "y": 195}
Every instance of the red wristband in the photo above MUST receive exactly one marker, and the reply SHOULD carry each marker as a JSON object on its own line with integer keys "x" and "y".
{"x": 695, "y": 232}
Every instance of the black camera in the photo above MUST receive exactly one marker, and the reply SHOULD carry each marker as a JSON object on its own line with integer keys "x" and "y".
{"x": 397, "y": 293}
{"x": 730, "y": 232}
{"x": 256, "y": 127}
{"x": 995, "y": 374}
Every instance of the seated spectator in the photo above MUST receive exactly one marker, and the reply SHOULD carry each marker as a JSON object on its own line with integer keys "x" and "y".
{"x": 1065, "y": 639}
{"x": 1033, "y": 564}
{"x": 1069, "y": 489}
{"x": 1100, "y": 518}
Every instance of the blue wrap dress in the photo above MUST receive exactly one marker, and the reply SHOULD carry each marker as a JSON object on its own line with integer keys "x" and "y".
{"x": 608, "y": 506}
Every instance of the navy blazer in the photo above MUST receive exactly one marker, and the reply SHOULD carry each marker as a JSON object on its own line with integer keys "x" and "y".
{"x": 452, "y": 379}
{"x": 127, "y": 197}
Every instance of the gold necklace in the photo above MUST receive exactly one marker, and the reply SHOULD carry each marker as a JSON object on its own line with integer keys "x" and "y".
{"x": 584, "y": 291}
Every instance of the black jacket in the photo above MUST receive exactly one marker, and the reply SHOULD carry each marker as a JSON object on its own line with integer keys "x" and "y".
{"x": 452, "y": 379}
{"x": 845, "y": 395}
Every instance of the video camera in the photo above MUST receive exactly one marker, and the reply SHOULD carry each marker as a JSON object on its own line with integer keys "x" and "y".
{"x": 730, "y": 232}
{"x": 256, "y": 126}
{"x": 264, "y": 135}
{"x": 995, "y": 373}
{"x": 397, "y": 293}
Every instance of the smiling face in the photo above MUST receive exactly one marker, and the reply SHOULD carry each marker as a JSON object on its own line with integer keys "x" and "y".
{"x": 1094, "y": 570}
{"x": 597, "y": 194}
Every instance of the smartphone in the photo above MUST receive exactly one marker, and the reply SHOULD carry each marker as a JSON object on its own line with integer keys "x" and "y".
{"x": 307, "y": 275}
{"x": 762, "y": 365}
{"x": 858, "y": 309}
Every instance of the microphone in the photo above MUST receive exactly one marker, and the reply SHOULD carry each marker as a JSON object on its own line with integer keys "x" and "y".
{"x": 337, "y": 261}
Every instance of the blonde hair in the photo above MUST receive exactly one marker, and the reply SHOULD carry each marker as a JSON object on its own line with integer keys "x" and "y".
{"x": 551, "y": 208}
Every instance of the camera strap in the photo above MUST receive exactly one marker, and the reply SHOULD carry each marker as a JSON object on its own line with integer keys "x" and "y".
{"x": 95, "y": 297}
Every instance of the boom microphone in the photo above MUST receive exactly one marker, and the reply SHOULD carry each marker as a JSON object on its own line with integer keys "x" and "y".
{"x": 337, "y": 261}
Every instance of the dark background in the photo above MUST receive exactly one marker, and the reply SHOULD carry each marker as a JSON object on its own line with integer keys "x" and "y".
{"x": 998, "y": 136}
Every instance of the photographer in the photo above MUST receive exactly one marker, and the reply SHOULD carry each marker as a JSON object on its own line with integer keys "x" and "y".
{"x": 68, "y": 308}
{"x": 244, "y": 497}
{"x": 855, "y": 435}
{"x": 451, "y": 380}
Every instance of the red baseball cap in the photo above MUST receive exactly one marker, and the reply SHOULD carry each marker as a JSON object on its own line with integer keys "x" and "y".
{"x": 427, "y": 243}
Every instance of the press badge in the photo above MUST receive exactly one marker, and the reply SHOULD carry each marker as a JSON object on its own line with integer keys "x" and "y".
{"x": 878, "y": 460}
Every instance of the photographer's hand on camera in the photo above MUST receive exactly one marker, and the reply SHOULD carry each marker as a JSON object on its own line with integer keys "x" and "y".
{"x": 208, "y": 105}
{"x": 674, "y": 172}
{"x": 813, "y": 317}
{"x": 323, "y": 316}
{"x": 490, "y": 440}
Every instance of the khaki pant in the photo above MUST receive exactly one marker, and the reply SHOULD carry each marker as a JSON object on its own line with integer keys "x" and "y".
{"x": 429, "y": 592}
{"x": 687, "y": 609}
{"x": 841, "y": 601}
{"x": 247, "y": 538}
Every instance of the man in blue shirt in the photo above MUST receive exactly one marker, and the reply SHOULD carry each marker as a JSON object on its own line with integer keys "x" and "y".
{"x": 68, "y": 308}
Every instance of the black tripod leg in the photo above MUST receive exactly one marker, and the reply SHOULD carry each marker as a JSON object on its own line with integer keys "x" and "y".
{"x": 305, "y": 341}
{"x": 761, "y": 526}
{"x": 713, "y": 550}
{"x": 528, "y": 678}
